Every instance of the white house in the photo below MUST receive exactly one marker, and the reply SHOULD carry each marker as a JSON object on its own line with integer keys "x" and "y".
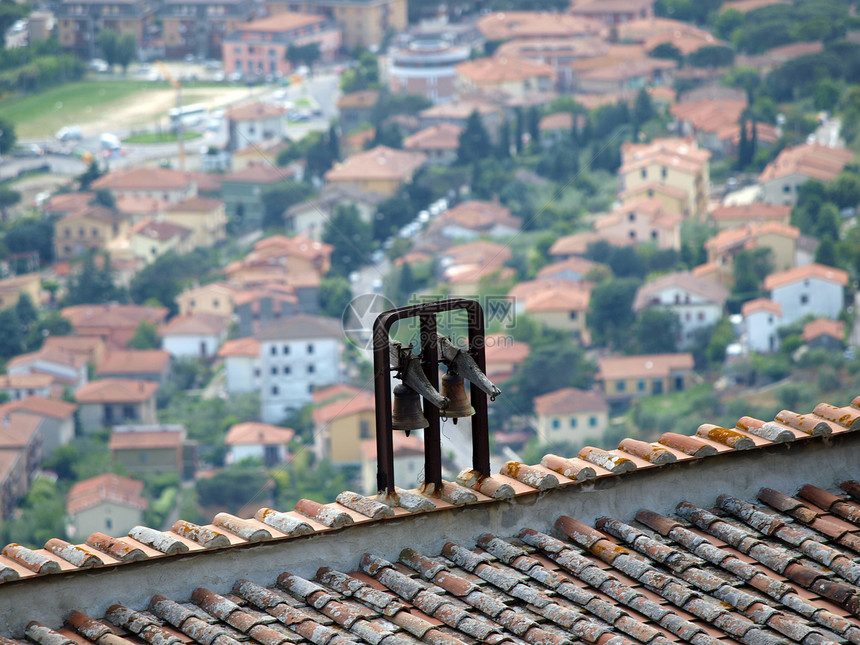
{"x": 809, "y": 289}
{"x": 571, "y": 415}
{"x": 254, "y": 123}
{"x": 108, "y": 503}
{"x": 261, "y": 441}
{"x": 58, "y": 419}
{"x": 697, "y": 302}
{"x": 241, "y": 358}
{"x": 762, "y": 317}
{"x": 64, "y": 366}
{"x": 297, "y": 355}
{"x": 408, "y": 462}
{"x": 194, "y": 335}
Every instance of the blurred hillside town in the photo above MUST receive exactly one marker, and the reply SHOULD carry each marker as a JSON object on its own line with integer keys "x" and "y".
{"x": 204, "y": 204}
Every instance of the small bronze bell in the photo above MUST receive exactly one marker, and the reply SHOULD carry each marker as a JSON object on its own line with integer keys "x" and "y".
{"x": 454, "y": 389}
{"x": 406, "y": 414}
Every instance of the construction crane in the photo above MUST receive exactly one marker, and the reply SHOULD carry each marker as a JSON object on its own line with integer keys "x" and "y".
{"x": 180, "y": 134}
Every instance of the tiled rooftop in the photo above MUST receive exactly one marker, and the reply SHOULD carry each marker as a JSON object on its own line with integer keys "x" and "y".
{"x": 733, "y": 535}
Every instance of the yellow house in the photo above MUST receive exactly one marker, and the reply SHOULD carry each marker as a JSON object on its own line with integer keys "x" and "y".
{"x": 733, "y": 216}
{"x": 571, "y": 415}
{"x": 12, "y": 288}
{"x": 361, "y": 23}
{"x": 675, "y": 162}
{"x": 555, "y": 303}
{"x": 516, "y": 77}
{"x": 627, "y": 377}
{"x": 341, "y": 425}
{"x": 380, "y": 170}
{"x": 205, "y": 217}
{"x": 213, "y": 298}
{"x": 673, "y": 200}
{"x": 94, "y": 227}
{"x": 150, "y": 239}
{"x": 780, "y": 238}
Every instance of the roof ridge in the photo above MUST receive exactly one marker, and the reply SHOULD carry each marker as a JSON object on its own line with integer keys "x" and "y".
{"x": 513, "y": 480}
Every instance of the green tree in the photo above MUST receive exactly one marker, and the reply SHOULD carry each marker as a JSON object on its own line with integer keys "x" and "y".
{"x": 320, "y": 157}
{"x": 8, "y": 138}
{"x": 32, "y": 234}
{"x": 11, "y": 334}
{"x": 667, "y": 51}
{"x": 165, "y": 278}
{"x": 712, "y": 56}
{"x": 611, "y": 316}
{"x": 749, "y": 269}
{"x": 828, "y": 223}
{"x": 657, "y": 331}
{"x": 534, "y": 124}
{"x": 89, "y": 175}
{"x": 386, "y": 135}
{"x": 108, "y": 42}
{"x": 334, "y": 294}
{"x": 844, "y": 191}
{"x": 727, "y": 22}
{"x": 364, "y": 76}
{"x": 474, "y": 143}
{"x": 145, "y": 336}
{"x": 721, "y": 337}
{"x": 643, "y": 108}
{"x": 50, "y": 323}
{"x": 303, "y": 478}
{"x": 504, "y": 147}
{"x": 826, "y": 252}
{"x": 351, "y": 238}
{"x": 126, "y": 51}
{"x": 392, "y": 214}
{"x": 8, "y": 198}
{"x": 26, "y": 311}
{"x": 280, "y": 197}
{"x": 232, "y": 487}
{"x": 303, "y": 54}
{"x": 826, "y": 94}
{"x": 519, "y": 130}
{"x": 42, "y": 515}
{"x": 92, "y": 285}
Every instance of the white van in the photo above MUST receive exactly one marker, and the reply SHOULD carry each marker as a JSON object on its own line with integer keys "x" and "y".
{"x": 70, "y": 133}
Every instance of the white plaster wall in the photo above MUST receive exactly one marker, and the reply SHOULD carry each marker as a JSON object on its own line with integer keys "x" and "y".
{"x": 181, "y": 346}
{"x": 240, "y": 374}
{"x": 823, "y": 298}
{"x": 760, "y": 326}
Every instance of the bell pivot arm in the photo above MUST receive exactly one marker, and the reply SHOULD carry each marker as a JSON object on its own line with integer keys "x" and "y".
{"x": 409, "y": 371}
{"x": 463, "y": 364}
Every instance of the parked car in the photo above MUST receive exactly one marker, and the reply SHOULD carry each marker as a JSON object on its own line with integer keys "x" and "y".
{"x": 69, "y": 133}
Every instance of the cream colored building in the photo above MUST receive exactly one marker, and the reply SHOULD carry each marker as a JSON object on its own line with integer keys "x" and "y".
{"x": 554, "y": 303}
{"x": 627, "y": 377}
{"x": 11, "y": 289}
{"x": 362, "y": 22}
{"x": 516, "y": 77}
{"x": 678, "y": 163}
{"x": 213, "y": 298}
{"x": 205, "y": 217}
{"x": 380, "y": 170}
{"x": 92, "y": 228}
{"x": 151, "y": 239}
{"x": 108, "y": 504}
{"x": 341, "y": 425}
{"x": 572, "y": 416}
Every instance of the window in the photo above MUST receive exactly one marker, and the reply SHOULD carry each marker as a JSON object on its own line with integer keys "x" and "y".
{"x": 128, "y": 412}
{"x": 700, "y": 315}
{"x": 556, "y": 424}
{"x": 215, "y": 303}
{"x": 653, "y": 235}
{"x": 657, "y": 388}
{"x": 273, "y": 350}
{"x": 663, "y": 172}
{"x": 108, "y": 523}
{"x": 285, "y": 350}
{"x": 287, "y": 369}
{"x": 632, "y": 217}
{"x": 804, "y": 299}
{"x": 256, "y": 372}
{"x": 95, "y": 232}
{"x": 786, "y": 188}
{"x": 644, "y": 173}
{"x": 311, "y": 369}
{"x": 275, "y": 390}
{"x": 592, "y": 421}
{"x": 641, "y": 385}
{"x": 620, "y": 386}
{"x": 310, "y": 348}
{"x": 274, "y": 370}
{"x": 572, "y": 315}
{"x": 573, "y": 422}
{"x": 364, "y": 429}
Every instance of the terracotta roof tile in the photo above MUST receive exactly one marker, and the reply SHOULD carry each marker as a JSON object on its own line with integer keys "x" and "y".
{"x": 570, "y": 400}
{"x": 134, "y": 361}
{"x": 761, "y": 304}
{"x": 380, "y": 162}
{"x": 810, "y": 160}
{"x": 42, "y": 406}
{"x": 255, "y": 111}
{"x": 501, "y": 69}
{"x": 248, "y": 346}
{"x": 144, "y": 437}
{"x": 109, "y": 487}
{"x": 195, "y": 324}
{"x": 614, "y": 367}
{"x": 286, "y": 21}
{"x": 805, "y": 272}
{"x": 141, "y": 178}
{"x": 115, "y": 390}
{"x": 253, "y": 432}
{"x": 823, "y": 327}
{"x": 444, "y": 136}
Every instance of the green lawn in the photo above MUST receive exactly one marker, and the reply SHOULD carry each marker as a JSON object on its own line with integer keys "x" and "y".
{"x": 42, "y": 114}
{"x": 160, "y": 137}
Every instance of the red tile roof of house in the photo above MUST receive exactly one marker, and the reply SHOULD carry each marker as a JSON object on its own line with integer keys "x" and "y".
{"x": 248, "y": 346}
{"x": 443, "y": 136}
{"x": 360, "y": 99}
{"x": 49, "y": 355}
{"x": 92, "y": 212}
{"x": 195, "y": 324}
{"x": 480, "y": 252}
{"x": 747, "y": 236}
{"x": 137, "y": 205}
{"x": 557, "y": 121}
{"x": 25, "y": 381}
{"x": 709, "y": 116}
{"x": 68, "y": 202}
{"x": 650, "y": 207}
{"x": 116, "y": 390}
{"x": 334, "y": 392}
{"x": 823, "y": 327}
{"x": 808, "y": 160}
{"x": 573, "y": 264}
{"x": 578, "y": 243}
{"x": 478, "y": 215}
{"x": 552, "y": 295}
{"x": 83, "y": 345}
{"x": 255, "y": 112}
{"x": 253, "y": 433}
{"x": 259, "y": 173}
{"x": 113, "y": 316}
{"x": 134, "y": 361}
{"x": 761, "y": 304}
{"x": 195, "y": 205}
{"x": 161, "y": 231}
{"x": 17, "y": 429}
{"x": 642, "y": 366}
{"x": 752, "y": 212}
{"x": 142, "y": 178}
{"x": 283, "y": 246}
{"x": 804, "y": 272}
{"x": 749, "y": 5}
{"x": 652, "y": 32}
{"x": 287, "y": 21}
{"x": 685, "y": 281}
{"x": 42, "y": 406}
{"x": 459, "y": 109}
{"x": 678, "y": 153}
{"x": 138, "y": 439}
{"x": 362, "y": 401}
{"x": 105, "y": 488}
{"x": 499, "y": 69}
{"x": 380, "y": 162}
{"x": 508, "y": 25}
{"x": 570, "y": 400}
{"x": 601, "y": 7}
